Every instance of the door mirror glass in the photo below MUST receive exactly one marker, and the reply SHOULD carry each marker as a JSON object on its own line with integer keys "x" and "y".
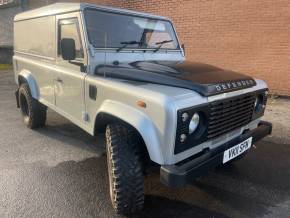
{"x": 68, "y": 49}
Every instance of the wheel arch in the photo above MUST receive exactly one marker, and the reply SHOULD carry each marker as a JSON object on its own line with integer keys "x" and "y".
{"x": 26, "y": 76}
{"x": 119, "y": 112}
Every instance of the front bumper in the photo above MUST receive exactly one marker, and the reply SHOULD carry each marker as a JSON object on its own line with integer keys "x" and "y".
{"x": 185, "y": 172}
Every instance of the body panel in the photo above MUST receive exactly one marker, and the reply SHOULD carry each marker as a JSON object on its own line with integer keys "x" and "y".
{"x": 68, "y": 80}
{"x": 39, "y": 74}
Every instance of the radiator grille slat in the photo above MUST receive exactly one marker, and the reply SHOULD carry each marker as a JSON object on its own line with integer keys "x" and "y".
{"x": 230, "y": 107}
{"x": 217, "y": 124}
{"x": 230, "y": 114}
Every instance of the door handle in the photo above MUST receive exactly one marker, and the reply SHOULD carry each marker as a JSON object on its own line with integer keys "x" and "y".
{"x": 59, "y": 80}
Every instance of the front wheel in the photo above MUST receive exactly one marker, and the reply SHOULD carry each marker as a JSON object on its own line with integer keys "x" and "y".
{"x": 124, "y": 168}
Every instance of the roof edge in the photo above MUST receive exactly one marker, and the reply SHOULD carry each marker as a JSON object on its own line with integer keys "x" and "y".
{"x": 60, "y": 8}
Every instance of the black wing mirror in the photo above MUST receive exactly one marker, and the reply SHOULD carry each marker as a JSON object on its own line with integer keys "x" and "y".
{"x": 68, "y": 49}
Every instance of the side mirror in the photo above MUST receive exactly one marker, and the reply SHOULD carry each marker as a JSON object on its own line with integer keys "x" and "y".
{"x": 68, "y": 49}
{"x": 183, "y": 48}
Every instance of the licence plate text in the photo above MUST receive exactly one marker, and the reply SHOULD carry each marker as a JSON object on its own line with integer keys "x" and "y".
{"x": 237, "y": 150}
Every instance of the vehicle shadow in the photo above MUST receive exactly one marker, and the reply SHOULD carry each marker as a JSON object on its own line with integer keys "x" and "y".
{"x": 61, "y": 129}
{"x": 85, "y": 191}
{"x": 80, "y": 189}
{"x": 156, "y": 206}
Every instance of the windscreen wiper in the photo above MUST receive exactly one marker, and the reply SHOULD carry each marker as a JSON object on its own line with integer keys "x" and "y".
{"x": 161, "y": 44}
{"x": 126, "y": 43}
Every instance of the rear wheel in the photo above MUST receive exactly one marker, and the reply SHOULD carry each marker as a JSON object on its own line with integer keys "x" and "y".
{"x": 33, "y": 112}
{"x": 125, "y": 168}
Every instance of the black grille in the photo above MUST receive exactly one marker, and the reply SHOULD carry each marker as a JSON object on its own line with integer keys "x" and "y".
{"x": 230, "y": 114}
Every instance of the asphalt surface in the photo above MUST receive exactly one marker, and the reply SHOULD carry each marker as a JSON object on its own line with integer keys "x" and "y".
{"x": 60, "y": 171}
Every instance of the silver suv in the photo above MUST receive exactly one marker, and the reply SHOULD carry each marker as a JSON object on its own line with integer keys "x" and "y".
{"x": 124, "y": 73}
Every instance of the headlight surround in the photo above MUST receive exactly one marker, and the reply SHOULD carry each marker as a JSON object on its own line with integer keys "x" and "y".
{"x": 260, "y": 103}
{"x": 194, "y": 123}
{"x": 191, "y": 129}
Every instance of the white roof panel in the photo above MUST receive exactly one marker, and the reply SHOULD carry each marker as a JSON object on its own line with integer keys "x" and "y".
{"x": 60, "y": 8}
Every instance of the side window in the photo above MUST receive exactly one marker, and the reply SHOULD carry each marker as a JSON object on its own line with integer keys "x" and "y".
{"x": 69, "y": 28}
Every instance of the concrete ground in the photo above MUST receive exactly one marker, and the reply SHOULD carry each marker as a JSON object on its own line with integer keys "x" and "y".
{"x": 60, "y": 171}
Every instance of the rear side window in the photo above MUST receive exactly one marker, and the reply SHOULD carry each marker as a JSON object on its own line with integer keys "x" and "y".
{"x": 69, "y": 28}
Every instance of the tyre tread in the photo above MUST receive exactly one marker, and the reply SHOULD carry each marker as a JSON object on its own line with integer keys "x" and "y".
{"x": 127, "y": 173}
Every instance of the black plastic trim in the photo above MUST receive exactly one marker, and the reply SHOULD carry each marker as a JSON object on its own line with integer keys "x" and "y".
{"x": 179, "y": 175}
{"x": 260, "y": 113}
{"x": 93, "y": 92}
{"x": 197, "y": 137}
{"x": 209, "y": 134}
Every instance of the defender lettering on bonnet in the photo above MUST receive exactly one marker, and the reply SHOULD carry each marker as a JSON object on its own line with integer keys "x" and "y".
{"x": 94, "y": 65}
{"x": 234, "y": 85}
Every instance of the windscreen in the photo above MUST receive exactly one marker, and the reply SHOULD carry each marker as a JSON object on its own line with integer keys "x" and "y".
{"x": 113, "y": 30}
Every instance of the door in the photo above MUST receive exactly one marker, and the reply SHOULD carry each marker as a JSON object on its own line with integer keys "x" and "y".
{"x": 69, "y": 78}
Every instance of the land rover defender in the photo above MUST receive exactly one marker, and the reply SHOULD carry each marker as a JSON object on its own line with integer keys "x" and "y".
{"x": 124, "y": 73}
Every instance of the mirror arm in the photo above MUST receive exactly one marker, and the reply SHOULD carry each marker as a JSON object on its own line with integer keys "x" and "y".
{"x": 80, "y": 64}
{"x": 183, "y": 48}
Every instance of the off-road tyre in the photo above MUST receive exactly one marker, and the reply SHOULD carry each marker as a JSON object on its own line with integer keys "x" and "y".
{"x": 125, "y": 168}
{"x": 33, "y": 112}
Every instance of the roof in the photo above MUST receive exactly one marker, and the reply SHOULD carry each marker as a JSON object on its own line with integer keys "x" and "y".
{"x": 60, "y": 8}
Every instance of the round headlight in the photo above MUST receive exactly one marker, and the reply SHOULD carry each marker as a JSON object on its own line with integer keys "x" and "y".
{"x": 194, "y": 123}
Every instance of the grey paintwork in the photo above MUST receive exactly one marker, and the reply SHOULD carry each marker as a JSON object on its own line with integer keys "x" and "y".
{"x": 156, "y": 123}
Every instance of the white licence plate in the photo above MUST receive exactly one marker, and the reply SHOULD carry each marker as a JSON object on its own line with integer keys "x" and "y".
{"x": 237, "y": 150}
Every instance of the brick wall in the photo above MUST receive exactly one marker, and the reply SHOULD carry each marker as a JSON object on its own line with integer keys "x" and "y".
{"x": 249, "y": 36}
